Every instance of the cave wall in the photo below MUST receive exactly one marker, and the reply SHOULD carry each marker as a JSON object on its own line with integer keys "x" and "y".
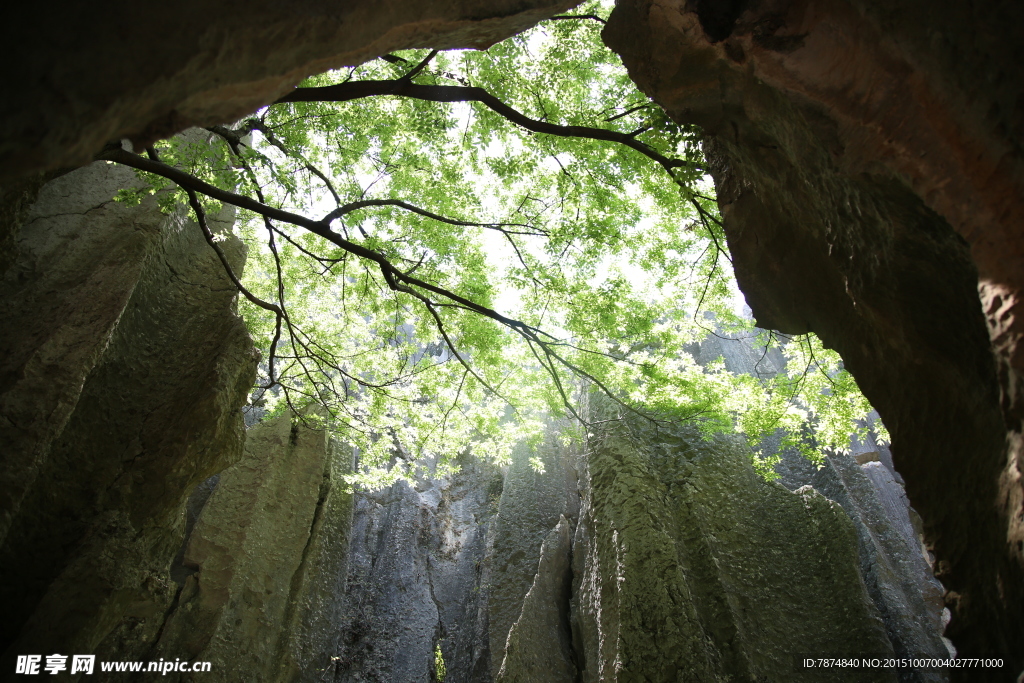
{"x": 866, "y": 157}
{"x": 124, "y": 365}
{"x": 647, "y": 555}
{"x": 89, "y": 74}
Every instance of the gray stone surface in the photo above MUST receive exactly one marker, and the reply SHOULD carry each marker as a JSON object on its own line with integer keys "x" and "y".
{"x": 78, "y": 258}
{"x": 898, "y": 579}
{"x": 16, "y": 198}
{"x": 863, "y": 481}
{"x": 417, "y": 581}
{"x": 125, "y": 363}
{"x": 257, "y": 556}
{"x": 532, "y": 503}
{"x": 318, "y": 592}
{"x": 741, "y": 355}
{"x": 539, "y": 644}
{"x": 690, "y": 567}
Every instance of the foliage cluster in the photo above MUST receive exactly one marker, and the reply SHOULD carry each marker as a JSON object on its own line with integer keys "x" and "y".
{"x": 523, "y": 267}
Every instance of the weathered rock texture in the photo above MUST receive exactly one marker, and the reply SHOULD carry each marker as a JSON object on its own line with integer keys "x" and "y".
{"x": 267, "y": 558}
{"x": 123, "y": 367}
{"x": 539, "y": 644}
{"x": 88, "y": 74}
{"x": 650, "y": 556}
{"x": 867, "y": 160}
{"x": 898, "y": 579}
{"x": 417, "y": 581}
{"x": 533, "y": 504}
{"x": 452, "y": 563}
{"x": 690, "y": 567}
{"x": 893, "y": 562}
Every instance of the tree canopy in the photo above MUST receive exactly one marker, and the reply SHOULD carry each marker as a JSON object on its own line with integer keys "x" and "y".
{"x": 446, "y": 247}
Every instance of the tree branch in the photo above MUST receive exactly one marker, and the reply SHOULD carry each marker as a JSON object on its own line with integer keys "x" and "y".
{"x": 189, "y": 182}
{"x": 420, "y": 67}
{"x": 200, "y": 212}
{"x": 627, "y": 112}
{"x": 197, "y": 207}
{"x": 355, "y": 90}
{"x": 256, "y": 124}
{"x": 393, "y": 59}
{"x": 561, "y": 17}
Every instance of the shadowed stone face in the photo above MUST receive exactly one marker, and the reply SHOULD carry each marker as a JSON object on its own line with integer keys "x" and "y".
{"x": 93, "y": 73}
{"x": 870, "y": 190}
{"x": 686, "y": 561}
{"x": 125, "y": 364}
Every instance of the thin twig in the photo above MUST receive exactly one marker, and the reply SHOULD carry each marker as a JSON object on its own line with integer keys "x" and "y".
{"x": 367, "y": 203}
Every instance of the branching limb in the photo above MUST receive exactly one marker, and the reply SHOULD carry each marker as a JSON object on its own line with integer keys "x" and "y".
{"x": 419, "y": 67}
{"x": 256, "y": 124}
{"x": 393, "y": 59}
{"x": 628, "y": 112}
{"x": 190, "y": 182}
{"x": 451, "y": 345}
{"x": 200, "y": 212}
{"x": 232, "y": 137}
{"x": 395, "y": 278}
{"x": 705, "y": 216}
{"x": 550, "y": 368}
{"x": 197, "y": 207}
{"x": 575, "y": 369}
{"x": 354, "y": 90}
{"x": 562, "y": 17}
{"x": 810, "y": 351}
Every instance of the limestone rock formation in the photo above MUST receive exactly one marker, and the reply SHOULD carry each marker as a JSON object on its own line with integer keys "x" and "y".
{"x": 688, "y": 566}
{"x": 144, "y": 71}
{"x": 898, "y": 579}
{"x": 539, "y": 644}
{"x": 532, "y": 505}
{"x": 80, "y": 256}
{"x": 869, "y": 188}
{"x": 895, "y": 565}
{"x": 417, "y": 581}
{"x": 124, "y": 364}
{"x": 267, "y": 558}
{"x": 680, "y": 562}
